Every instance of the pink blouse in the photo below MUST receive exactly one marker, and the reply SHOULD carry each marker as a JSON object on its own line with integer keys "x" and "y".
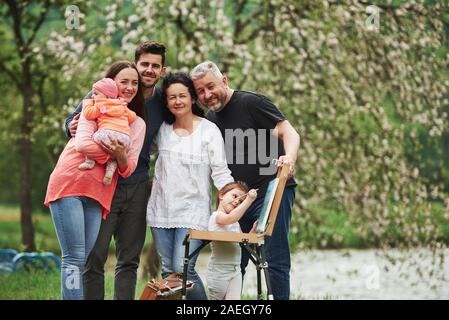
{"x": 67, "y": 180}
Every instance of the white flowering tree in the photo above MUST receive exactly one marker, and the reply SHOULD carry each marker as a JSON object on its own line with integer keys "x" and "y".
{"x": 363, "y": 85}
{"x": 37, "y": 75}
{"x": 357, "y": 92}
{"x": 22, "y": 21}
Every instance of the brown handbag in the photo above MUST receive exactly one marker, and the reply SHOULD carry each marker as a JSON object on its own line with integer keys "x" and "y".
{"x": 169, "y": 288}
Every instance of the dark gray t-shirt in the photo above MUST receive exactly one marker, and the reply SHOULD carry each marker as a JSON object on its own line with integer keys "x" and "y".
{"x": 245, "y": 123}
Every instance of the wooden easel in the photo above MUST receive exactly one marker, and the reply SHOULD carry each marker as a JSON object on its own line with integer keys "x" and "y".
{"x": 253, "y": 243}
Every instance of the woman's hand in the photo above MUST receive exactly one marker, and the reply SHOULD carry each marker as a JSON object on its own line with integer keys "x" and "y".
{"x": 117, "y": 150}
{"x": 74, "y": 125}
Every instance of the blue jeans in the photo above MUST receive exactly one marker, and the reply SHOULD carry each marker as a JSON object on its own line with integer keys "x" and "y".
{"x": 276, "y": 247}
{"x": 77, "y": 222}
{"x": 171, "y": 252}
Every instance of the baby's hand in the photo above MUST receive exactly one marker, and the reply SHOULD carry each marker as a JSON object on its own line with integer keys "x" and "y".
{"x": 252, "y": 194}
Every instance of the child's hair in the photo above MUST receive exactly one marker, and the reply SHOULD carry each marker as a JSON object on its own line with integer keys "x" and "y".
{"x": 232, "y": 185}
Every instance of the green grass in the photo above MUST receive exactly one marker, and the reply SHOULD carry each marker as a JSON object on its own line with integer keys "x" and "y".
{"x": 326, "y": 223}
{"x": 10, "y": 230}
{"x": 30, "y": 286}
{"x": 47, "y": 286}
{"x": 43, "y": 285}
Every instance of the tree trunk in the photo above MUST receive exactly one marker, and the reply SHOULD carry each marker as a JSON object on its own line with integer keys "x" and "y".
{"x": 25, "y": 149}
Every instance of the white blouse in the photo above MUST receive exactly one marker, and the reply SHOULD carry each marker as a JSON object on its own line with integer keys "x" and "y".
{"x": 227, "y": 253}
{"x": 180, "y": 196}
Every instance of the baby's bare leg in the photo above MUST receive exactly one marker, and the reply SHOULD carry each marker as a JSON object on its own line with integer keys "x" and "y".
{"x": 88, "y": 164}
{"x": 111, "y": 166}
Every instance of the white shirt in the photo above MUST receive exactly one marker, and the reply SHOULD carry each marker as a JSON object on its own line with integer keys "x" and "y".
{"x": 180, "y": 196}
{"x": 224, "y": 252}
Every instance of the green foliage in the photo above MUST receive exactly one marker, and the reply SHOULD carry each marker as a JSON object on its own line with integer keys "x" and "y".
{"x": 10, "y": 236}
{"x": 325, "y": 227}
{"x": 46, "y": 239}
{"x": 371, "y": 106}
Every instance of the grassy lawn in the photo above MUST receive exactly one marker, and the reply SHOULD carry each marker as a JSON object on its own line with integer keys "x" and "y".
{"x": 10, "y": 234}
{"x": 328, "y": 224}
{"x": 47, "y": 286}
{"x": 43, "y": 285}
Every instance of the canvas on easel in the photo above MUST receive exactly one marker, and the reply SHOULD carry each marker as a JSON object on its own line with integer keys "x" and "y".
{"x": 279, "y": 191}
{"x": 267, "y": 218}
{"x": 267, "y": 204}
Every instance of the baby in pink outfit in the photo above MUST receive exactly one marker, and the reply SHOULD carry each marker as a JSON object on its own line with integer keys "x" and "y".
{"x": 113, "y": 119}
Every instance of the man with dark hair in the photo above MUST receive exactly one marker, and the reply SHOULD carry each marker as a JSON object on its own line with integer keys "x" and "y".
{"x": 258, "y": 127}
{"x": 150, "y": 47}
{"x": 127, "y": 219}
